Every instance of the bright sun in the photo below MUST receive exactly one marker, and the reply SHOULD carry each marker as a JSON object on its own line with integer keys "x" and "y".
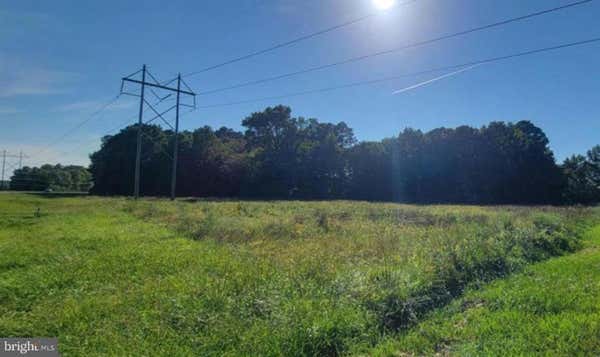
{"x": 383, "y": 4}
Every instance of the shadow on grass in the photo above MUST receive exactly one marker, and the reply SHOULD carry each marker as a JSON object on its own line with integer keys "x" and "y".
{"x": 58, "y": 194}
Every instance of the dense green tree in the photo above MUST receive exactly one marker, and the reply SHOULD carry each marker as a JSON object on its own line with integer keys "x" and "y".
{"x": 51, "y": 177}
{"x": 521, "y": 167}
{"x": 370, "y": 172}
{"x": 467, "y": 165}
{"x": 212, "y": 163}
{"x": 209, "y": 163}
{"x": 113, "y": 166}
{"x": 296, "y": 157}
{"x": 284, "y": 157}
{"x": 583, "y": 177}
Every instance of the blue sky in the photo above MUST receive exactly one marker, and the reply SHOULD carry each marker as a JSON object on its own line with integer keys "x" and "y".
{"x": 61, "y": 60}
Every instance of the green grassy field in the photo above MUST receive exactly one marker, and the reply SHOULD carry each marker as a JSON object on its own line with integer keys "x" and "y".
{"x": 118, "y": 277}
{"x": 551, "y": 309}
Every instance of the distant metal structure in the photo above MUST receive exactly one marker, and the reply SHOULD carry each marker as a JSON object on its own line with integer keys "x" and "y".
{"x": 178, "y": 91}
{"x": 6, "y": 155}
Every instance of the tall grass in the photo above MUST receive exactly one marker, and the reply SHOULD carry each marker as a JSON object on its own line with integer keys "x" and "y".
{"x": 253, "y": 278}
{"x": 550, "y": 309}
{"x": 341, "y": 274}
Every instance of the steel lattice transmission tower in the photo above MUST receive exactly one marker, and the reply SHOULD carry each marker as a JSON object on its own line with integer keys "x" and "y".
{"x": 148, "y": 81}
{"x": 6, "y": 155}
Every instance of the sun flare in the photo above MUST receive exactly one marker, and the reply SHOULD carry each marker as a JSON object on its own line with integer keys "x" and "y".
{"x": 383, "y": 4}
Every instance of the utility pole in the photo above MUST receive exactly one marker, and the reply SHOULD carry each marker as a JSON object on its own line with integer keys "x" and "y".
{"x": 3, "y": 165}
{"x": 152, "y": 84}
{"x": 138, "y": 152}
{"x": 176, "y": 146}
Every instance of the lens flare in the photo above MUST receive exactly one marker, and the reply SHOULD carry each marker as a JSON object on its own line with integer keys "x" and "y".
{"x": 384, "y": 4}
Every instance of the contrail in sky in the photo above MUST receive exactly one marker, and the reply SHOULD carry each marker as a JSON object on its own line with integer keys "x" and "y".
{"x": 415, "y": 86}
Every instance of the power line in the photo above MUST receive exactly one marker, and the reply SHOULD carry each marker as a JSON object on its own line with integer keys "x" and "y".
{"x": 432, "y": 70}
{"x": 148, "y": 137}
{"x": 110, "y": 131}
{"x": 82, "y": 143}
{"x": 178, "y": 91}
{"x": 397, "y": 49}
{"x": 80, "y": 124}
{"x": 11, "y": 166}
{"x": 291, "y": 42}
{"x": 374, "y": 81}
{"x": 87, "y": 120}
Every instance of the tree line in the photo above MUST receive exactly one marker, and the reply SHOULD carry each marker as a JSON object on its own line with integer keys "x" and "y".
{"x": 51, "y": 177}
{"x": 279, "y": 156}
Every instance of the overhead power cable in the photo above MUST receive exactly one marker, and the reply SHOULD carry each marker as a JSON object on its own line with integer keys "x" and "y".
{"x": 85, "y": 121}
{"x": 291, "y": 42}
{"x": 385, "y": 79}
{"x": 79, "y": 125}
{"x": 113, "y": 130}
{"x": 397, "y": 49}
